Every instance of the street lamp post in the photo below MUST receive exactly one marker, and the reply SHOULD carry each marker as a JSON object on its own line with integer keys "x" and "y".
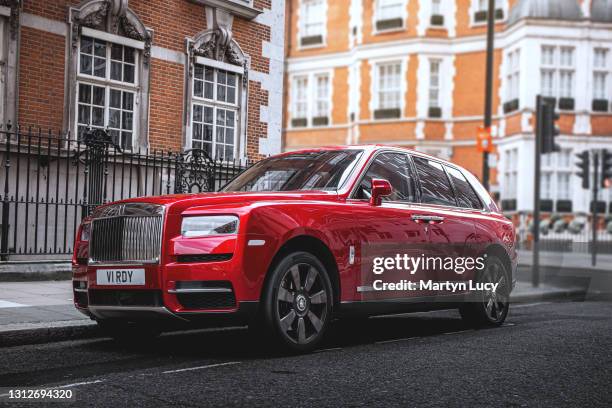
{"x": 488, "y": 87}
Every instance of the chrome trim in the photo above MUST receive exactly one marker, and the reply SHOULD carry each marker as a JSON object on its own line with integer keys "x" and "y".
{"x": 200, "y": 290}
{"x": 126, "y": 211}
{"x": 105, "y": 311}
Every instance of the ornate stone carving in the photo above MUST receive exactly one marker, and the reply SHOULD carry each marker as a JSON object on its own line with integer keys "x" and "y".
{"x": 128, "y": 29}
{"x": 97, "y": 19}
{"x": 219, "y": 47}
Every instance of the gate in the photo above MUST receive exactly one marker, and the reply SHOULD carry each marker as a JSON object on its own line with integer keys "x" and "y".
{"x": 50, "y": 182}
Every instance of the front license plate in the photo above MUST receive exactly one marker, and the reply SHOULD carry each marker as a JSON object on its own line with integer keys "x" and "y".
{"x": 120, "y": 277}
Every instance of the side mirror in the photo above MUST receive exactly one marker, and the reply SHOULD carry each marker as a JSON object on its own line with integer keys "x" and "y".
{"x": 380, "y": 188}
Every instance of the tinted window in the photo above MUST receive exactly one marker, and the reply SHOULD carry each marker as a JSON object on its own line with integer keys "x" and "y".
{"x": 466, "y": 197}
{"x": 435, "y": 187}
{"x": 322, "y": 170}
{"x": 392, "y": 167}
{"x": 482, "y": 192}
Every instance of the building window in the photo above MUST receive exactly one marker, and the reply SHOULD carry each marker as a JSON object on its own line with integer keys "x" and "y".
{"x": 513, "y": 86}
{"x": 434, "y": 89}
{"x": 390, "y": 14}
{"x": 107, "y": 89}
{"x": 601, "y": 91}
{"x": 311, "y": 102}
{"x": 557, "y": 180}
{"x": 510, "y": 174}
{"x": 480, "y": 15}
{"x": 437, "y": 17}
{"x": 557, "y": 75}
{"x": 312, "y": 22}
{"x": 388, "y": 90}
{"x": 215, "y": 111}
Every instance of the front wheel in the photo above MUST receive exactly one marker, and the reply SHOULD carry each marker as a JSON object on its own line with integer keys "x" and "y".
{"x": 490, "y": 307}
{"x": 298, "y": 302}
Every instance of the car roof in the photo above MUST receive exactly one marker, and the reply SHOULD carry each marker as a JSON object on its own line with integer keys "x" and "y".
{"x": 369, "y": 148}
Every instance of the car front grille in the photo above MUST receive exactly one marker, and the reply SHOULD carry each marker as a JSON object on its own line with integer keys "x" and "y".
{"x": 126, "y": 239}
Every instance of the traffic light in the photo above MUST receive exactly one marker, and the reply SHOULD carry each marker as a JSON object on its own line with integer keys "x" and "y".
{"x": 549, "y": 128}
{"x": 584, "y": 165}
{"x": 606, "y": 168}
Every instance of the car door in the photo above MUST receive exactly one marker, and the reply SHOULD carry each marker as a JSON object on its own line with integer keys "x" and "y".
{"x": 451, "y": 231}
{"x": 388, "y": 230}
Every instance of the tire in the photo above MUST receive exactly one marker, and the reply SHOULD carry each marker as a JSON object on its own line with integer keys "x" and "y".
{"x": 128, "y": 333}
{"x": 488, "y": 308}
{"x": 297, "y": 302}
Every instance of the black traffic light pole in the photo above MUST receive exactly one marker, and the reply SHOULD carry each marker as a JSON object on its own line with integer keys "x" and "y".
{"x": 489, "y": 87}
{"x": 535, "y": 277}
{"x": 595, "y": 197}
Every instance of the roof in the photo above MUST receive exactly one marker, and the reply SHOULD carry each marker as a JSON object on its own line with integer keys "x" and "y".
{"x": 546, "y": 9}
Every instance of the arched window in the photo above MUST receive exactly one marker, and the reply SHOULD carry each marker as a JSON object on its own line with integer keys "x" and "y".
{"x": 216, "y": 102}
{"x": 109, "y": 72}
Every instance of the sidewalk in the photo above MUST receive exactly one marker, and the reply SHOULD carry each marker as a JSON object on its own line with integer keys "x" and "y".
{"x": 37, "y": 312}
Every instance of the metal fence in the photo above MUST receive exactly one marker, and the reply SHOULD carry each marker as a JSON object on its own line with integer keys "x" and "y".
{"x": 569, "y": 234}
{"x": 50, "y": 181}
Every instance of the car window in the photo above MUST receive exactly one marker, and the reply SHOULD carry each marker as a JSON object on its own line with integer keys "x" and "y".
{"x": 466, "y": 197}
{"x": 394, "y": 168}
{"x": 435, "y": 187}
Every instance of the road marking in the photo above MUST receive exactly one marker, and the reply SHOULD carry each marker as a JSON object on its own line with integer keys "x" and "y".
{"x": 328, "y": 349}
{"x": 395, "y": 340}
{"x": 201, "y": 367}
{"x": 458, "y": 332}
{"x": 6, "y": 304}
{"x": 508, "y": 324}
{"x": 532, "y": 304}
{"x": 61, "y": 386}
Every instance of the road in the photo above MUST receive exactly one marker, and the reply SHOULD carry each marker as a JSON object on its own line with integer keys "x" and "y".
{"x": 548, "y": 354}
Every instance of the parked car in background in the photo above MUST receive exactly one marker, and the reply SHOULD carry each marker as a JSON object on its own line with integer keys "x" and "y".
{"x": 287, "y": 246}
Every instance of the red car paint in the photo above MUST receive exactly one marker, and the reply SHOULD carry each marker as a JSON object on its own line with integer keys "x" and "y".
{"x": 332, "y": 218}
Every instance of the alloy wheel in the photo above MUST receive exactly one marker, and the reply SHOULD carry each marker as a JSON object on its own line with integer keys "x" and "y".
{"x": 301, "y": 303}
{"x": 496, "y": 300}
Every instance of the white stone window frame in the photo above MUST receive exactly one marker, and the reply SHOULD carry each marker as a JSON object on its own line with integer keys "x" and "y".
{"x": 374, "y": 87}
{"x": 311, "y": 97}
{"x": 554, "y": 166}
{"x": 510, "y": 173}
{"x": 447, "y": 79}
{"x": 475, "y": 6}
{"x": 110, "y": 84}
{"x": 9, "y": 61}
{"x": 437, "y": 63}
{"x": 513, "y": 75}
{"x": 217, "y": 105}
{"x": 376, "y": 17}
{"x": 112, "y": 21}
{"x": 557, "y": 68}
{"x": 605, "y": 70}
{"x": 301, "y": 26}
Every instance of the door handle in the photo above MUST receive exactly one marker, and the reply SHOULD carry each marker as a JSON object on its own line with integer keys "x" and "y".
{"x": 429, "y": 219}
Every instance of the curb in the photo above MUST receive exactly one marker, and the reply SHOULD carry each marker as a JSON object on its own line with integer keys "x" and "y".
{"x": 558, "y": 294}
{"x": 37, "y": 333}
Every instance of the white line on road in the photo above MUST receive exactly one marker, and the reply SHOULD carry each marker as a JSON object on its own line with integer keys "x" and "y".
{"x": 328, "y": 349}
{"x": 531, "y": 304}
{"x": 6, "y": 304}
{"x": 395, "y": 340}
{"x": 458, "y": 332}
{"x": 201, "y": 367}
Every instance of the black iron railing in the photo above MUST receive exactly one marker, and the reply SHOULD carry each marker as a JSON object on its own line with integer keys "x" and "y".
{"x": 50, "y": 181}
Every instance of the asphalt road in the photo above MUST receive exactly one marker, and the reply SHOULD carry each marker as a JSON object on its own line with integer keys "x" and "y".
{"x": 547, "y": 355}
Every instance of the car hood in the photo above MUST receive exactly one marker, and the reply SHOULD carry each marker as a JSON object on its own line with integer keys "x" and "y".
{"x": 183, "y": 201}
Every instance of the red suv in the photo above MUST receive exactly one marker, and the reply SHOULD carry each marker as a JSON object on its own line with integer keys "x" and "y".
{"x": 299, "y": 239}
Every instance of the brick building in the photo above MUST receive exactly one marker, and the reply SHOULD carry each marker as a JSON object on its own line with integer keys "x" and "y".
{"x": 170, "y": 74}
{"x": 411, "y": 73}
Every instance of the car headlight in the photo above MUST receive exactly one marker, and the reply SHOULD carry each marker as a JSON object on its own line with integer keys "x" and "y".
{"x": 209, "y": 225}
{"x": 85, "y": 232}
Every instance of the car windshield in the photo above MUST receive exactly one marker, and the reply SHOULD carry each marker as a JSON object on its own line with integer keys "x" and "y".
{"x": 321, "y": 170}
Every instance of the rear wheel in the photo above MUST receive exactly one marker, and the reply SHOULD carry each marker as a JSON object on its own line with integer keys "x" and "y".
{"x": 298, "y": 302}
{"x": 490, "y": 307}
